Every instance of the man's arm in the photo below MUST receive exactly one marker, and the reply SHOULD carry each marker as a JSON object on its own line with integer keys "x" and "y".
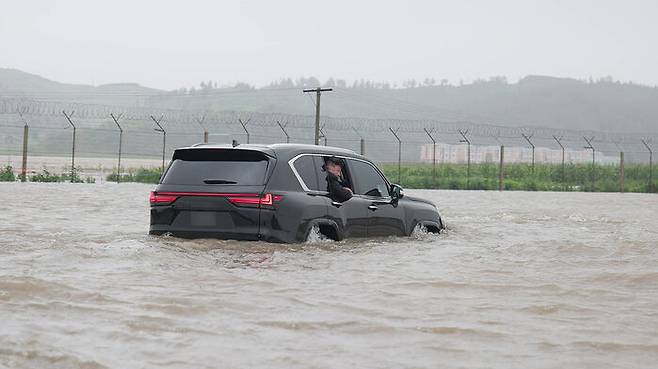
{"x": 336, "y": 191}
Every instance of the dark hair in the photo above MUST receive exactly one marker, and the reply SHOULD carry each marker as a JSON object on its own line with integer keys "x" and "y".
{"x": 333, "y": 160}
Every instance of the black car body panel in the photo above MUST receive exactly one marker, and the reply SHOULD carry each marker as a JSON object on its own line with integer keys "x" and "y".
{"x": 278, "y": 193}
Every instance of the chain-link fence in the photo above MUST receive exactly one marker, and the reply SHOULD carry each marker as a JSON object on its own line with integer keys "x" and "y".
{"x": 99, "y": 140}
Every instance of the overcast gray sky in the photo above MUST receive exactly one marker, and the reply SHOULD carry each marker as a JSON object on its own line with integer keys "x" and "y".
{"x": 170, "y": 44}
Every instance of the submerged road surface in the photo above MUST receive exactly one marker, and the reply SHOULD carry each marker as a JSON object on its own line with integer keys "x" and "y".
{"x": 520, "y": 280}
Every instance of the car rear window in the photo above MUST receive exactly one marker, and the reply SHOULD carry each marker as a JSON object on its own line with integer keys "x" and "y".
{"x": 217, "y": 166}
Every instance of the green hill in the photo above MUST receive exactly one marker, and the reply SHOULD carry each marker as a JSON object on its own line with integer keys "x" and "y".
{"x": 603, "y": 105}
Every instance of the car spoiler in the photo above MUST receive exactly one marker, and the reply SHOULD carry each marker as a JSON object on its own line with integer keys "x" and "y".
{"x": 251, "y": 148}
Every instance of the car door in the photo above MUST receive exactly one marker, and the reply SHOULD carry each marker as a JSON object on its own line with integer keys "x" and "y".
{"x": 351, "y": 215}
{"x": 385, "y": 217}
{"x": 309, "y": 205}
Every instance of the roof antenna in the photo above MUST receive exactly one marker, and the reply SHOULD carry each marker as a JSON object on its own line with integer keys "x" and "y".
{"x": 235, "y": 143}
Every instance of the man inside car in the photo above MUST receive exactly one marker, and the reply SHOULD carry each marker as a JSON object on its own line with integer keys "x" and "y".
{"x": 337, "y": 187}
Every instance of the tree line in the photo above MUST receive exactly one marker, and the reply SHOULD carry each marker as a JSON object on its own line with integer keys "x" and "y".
{"x": 210, "y": 86}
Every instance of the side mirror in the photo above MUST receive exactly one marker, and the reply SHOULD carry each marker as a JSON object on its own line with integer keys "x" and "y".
{"x": 396, "y": 192}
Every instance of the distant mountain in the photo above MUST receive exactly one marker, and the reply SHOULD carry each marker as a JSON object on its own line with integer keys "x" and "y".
{"x": 603, "y": 105}
{"x": 16, "y": 83}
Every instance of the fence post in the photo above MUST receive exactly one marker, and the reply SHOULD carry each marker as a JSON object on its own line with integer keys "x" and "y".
{"x": 468, "y": 167}
{"x": 244, "y": 126}
{"x": 26, "y": 133}
{"x": 283, "y": 128}
{"x": 68, "y": 118}
{"x": 164, "y": 138}
{"x": 501, "y": 176}
{"x": 116, "y": 121}
{"x": 591, "y": 147}
{"x": 650, "y": 164}
{"x": 621, "y": 171}
{"x": 527, "y": 138}
{"x": 564, "y": 183}
{"x": 395, "y": 133}
{"x": 362, "y": 142}
{"x": 205, "y": 130}
{"x": 429, "y": 133}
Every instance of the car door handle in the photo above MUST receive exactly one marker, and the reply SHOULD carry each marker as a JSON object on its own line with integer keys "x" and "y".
{"x": 337, "y": 204}
{"x": 373, "y": 207}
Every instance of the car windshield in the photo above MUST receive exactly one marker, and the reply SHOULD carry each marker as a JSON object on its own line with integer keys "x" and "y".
{"x": 208, "y": 167}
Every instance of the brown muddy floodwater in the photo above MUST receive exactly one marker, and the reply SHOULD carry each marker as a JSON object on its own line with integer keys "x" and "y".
{"x": 520, "y": 280}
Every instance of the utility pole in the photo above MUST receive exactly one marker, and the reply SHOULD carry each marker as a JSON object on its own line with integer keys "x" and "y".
{"x": 164, "y": 138}
{"x": 283, "y": 128}
{"x": 559, "y": 142}
{"x": 429, "y": 133}
{"x": 591, "y": 147}
{"x": 527, "y": 138}
{"x": 116, "y": 121}
{"x": 68, "y": 117}
{"x": 468, "y": 168}
{"x": 318, "y": 91}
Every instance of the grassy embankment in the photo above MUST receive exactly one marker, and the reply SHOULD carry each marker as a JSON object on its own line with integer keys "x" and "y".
{"x": 141, "y": 175}
{"x": 547, "y": 177}
{"x": 7, "y": 175}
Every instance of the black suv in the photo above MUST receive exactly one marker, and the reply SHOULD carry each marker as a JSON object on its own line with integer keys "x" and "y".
{"x": 278, "y": 193}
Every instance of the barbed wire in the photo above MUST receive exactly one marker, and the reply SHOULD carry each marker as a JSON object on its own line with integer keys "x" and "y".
{"x": 48, "y": 115}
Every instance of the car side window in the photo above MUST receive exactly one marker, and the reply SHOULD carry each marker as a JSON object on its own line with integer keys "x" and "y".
{"x": 322, "y": 173}
{"x": 367, "y": 180}
{"x": 306, "y": 168}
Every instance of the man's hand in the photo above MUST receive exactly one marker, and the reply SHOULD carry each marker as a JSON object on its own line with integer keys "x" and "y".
{"x": 349, "y": 189}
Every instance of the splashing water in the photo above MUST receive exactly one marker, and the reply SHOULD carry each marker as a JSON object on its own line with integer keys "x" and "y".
{"x": 421, "y": 233}
{"x": 315, "y": 236}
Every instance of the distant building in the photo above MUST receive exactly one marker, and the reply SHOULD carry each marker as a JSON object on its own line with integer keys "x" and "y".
{"x": 458, "y": 154}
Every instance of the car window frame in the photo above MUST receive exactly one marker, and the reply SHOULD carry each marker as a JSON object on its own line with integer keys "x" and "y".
{"x": 299, "y": 176}
{"x": 346, "y": 173}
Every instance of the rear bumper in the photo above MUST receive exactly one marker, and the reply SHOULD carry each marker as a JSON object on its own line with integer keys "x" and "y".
{"x": 196, "y": 233}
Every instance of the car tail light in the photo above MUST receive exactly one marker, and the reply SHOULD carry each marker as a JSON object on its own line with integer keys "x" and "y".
{"x": 239, "y": 199}
{"x": 162, "y": 199}
{"x": 254, "y": 199}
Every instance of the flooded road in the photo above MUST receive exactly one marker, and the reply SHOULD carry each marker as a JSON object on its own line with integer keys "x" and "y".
{"x": 520, "y": 280}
